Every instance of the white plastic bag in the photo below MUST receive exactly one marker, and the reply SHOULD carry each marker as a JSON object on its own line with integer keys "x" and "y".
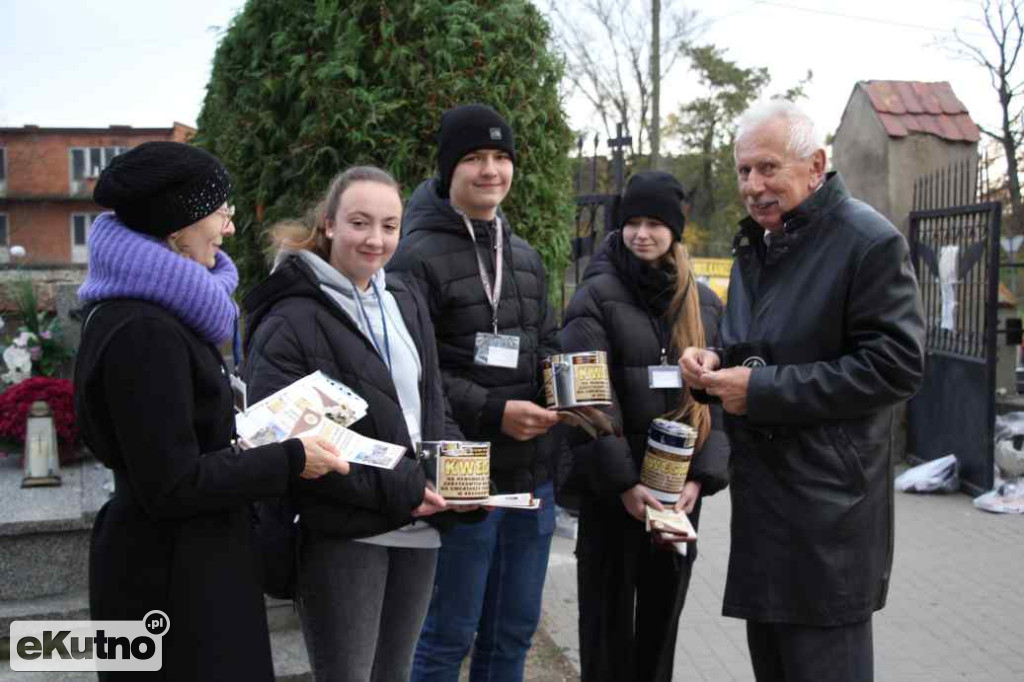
{"x": 1005, "y": 499}
{"x": 939, "y": 475}
{"x": 1009, "y": 425}
{"x": 1007, "y": 496}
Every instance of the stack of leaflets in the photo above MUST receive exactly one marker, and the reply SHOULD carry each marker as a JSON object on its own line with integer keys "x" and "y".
{"x": 674, "y": 527}
{"x": 315, "y": 406}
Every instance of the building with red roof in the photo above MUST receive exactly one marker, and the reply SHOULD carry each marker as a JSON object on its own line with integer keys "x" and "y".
{"x": 892, "y": 132}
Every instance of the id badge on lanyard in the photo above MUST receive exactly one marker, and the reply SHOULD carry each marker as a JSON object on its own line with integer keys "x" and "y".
{"x": 494, "y": 349}
{"x": 664, "y": 376}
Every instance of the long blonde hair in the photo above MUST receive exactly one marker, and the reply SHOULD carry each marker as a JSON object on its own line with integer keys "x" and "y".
{"x": 311, "y": 233}
{"x": 687, "y": 330}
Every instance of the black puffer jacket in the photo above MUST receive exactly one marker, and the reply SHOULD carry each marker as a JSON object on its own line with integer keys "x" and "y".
{"x": 437, "y": 250}
{"x": 834, "y": 305}
{"x": 608, "y": 313}
{"x": 294, "y": 329}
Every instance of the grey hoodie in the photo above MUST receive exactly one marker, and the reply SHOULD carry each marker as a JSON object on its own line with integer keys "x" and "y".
{"x": 406, "y": 368}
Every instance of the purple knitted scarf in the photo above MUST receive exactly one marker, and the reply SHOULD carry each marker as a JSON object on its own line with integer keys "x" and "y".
{"x": 127, "y": 264}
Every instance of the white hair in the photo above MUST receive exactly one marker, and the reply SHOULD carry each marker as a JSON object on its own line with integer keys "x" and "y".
{"x": 804, "y": 137}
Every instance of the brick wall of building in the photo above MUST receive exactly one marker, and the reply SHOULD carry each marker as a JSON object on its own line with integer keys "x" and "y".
{"x": 38, "y": 198}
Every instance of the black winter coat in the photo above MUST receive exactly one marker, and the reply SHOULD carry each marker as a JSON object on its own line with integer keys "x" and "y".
{"x": 620, "y": 307}
{"x": 154, "y": 404}
{"x": 437, "y": 250}
{"x": 834, "y": 304}
{"x": 607, "y": 313}
{"x": 294, "y": 329}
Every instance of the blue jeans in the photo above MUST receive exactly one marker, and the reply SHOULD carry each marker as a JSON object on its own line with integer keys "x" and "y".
{"x": 489, "y": 581}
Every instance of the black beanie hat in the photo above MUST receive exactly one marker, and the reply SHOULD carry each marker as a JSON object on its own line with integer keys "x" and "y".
{"x": 157, "y": 188}
{"x": 465, "y": 129}
{"x": 654, "y": 194}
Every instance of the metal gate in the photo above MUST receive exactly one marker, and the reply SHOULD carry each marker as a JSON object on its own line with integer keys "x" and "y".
{"x": 595, "y": 210}
{"x": 955, "y": 250}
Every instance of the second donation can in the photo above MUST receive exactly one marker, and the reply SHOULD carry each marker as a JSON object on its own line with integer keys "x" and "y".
{"x": 576, "y": 379}
{"x": 667, "y": 460}
{"x": 461, "y": 470}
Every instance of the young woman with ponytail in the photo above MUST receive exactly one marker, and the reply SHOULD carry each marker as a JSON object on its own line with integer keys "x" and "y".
{"x": 640, "y": 303}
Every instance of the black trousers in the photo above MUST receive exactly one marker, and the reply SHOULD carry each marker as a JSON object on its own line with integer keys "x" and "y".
{"x": 783, "y": 652}
{"x": 631, "y": 594}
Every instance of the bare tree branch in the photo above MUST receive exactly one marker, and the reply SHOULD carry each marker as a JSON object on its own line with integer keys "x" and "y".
{"x": 998, "y": 56}
{"x": 606, "y": 48}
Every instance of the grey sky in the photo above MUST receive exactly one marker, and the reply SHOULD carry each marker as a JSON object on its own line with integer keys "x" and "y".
{"x": 74, "y": 63}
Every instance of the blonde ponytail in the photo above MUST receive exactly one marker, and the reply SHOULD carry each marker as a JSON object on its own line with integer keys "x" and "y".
{"x": 687, "y": 330}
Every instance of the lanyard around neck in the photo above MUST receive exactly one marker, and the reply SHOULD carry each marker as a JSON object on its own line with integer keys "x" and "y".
{"x": 656, "y": 323}
{"x": 493, "y": 295}
{"x": 386, "y": 353}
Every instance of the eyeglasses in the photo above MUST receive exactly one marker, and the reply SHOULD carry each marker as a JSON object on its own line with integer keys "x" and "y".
{"x": 228, "y": 213}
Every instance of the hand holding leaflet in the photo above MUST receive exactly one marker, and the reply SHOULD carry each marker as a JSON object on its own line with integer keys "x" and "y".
{"x": 316, "y": 406}
{"x": 670, "y": 526}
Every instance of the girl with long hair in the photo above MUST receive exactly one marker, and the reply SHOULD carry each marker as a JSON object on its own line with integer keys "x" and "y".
{"x": 640, "y": 303}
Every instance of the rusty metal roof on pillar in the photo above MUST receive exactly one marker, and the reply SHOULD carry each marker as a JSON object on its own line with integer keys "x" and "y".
{"x": 906, "y": 107}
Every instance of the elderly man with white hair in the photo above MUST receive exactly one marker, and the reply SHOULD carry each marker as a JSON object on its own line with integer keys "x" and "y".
{"x": 822, "y": 339}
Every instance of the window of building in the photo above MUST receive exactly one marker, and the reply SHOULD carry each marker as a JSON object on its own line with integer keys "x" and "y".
{"x": 5, "y": 239}
{"x": 81, "y": 224}
{"x": 3, "y": 170}
{"x": 88, "y": 162}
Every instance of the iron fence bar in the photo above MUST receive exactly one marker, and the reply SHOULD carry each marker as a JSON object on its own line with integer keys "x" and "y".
{"x": 954, "y": 356}
{"x": 976, "y": 286}
{"x": 994, "y": 229}
{"x": 983, "y": 207}
{"x": 966, "y": 320}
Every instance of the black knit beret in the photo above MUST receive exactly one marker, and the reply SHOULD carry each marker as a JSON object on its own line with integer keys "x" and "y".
{"x": 653, "y": 194}
{"x": 157, "y": 188}
{"x": 465, "y": 129}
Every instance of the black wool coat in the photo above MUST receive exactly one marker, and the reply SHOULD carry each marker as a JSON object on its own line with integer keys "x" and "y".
{"x": 154, "y": 404}
{"x": 833, "y": 305}
{"x": 294, "y": 329}
{"x": 437, "y": 251}
{"x": 606, "y": 314}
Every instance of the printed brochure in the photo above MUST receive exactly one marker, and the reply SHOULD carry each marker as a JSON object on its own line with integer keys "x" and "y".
{"x": 316, "y": 405}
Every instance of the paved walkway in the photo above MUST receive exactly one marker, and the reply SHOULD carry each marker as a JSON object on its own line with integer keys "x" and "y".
{"x": 955, "y": 611}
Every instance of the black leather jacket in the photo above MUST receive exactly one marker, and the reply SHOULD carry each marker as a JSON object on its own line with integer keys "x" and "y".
{"x": 833, "y": 304}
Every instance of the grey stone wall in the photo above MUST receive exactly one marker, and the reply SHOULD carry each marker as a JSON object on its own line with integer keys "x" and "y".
{"x": 860, "y": 152}
{"x": 881, "y": 170}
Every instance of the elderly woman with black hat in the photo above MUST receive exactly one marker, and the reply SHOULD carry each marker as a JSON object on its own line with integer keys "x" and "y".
{"x": 640, "y": 303}
{"x": 154, "y": 404}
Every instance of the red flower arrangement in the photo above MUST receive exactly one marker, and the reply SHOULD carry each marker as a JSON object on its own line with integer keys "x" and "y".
{"x": 59, "y": 394}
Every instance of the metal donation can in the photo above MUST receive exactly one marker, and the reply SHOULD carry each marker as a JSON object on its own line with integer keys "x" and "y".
{"x": 667, "y": 461}
{"x": 461, "y": 470}
{"x": 576, "y": 379}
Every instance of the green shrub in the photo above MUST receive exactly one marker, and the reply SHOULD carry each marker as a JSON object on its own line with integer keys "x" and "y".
{"x": 300, "y": 90}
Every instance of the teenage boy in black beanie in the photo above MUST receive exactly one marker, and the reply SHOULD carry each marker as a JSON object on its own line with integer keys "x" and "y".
{"x": 488, "y": 299}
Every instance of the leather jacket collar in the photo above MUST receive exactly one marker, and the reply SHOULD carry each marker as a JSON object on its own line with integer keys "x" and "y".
{"x": 808, "y": 214}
